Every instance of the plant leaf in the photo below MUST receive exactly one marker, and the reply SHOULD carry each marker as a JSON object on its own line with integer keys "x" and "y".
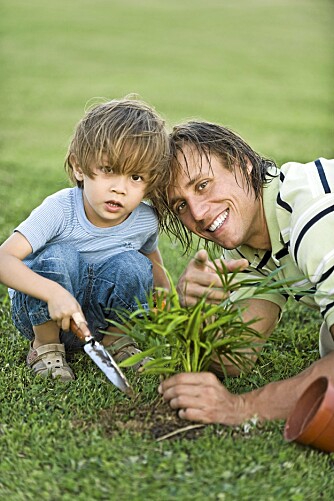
{"x": 138, "y": 357}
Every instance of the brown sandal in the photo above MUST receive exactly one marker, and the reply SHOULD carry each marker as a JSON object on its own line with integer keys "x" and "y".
{"x": 124, "y": 348}
{"x": 50, "y": 359}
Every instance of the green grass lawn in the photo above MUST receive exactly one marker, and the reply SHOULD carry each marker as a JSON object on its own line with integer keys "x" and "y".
{"x": 262, "y": 68}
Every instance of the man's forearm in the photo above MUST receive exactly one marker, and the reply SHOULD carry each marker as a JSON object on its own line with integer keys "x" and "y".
{"x": 276, "y": 400}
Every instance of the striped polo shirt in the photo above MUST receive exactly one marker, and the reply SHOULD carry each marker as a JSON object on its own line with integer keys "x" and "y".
{"x": 299, "y": 209}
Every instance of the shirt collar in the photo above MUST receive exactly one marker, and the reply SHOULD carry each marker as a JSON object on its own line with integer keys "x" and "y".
{"x": 270, "y": 192}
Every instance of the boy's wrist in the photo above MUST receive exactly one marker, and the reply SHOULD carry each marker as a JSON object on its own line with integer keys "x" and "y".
{"x": 51, "y": 290}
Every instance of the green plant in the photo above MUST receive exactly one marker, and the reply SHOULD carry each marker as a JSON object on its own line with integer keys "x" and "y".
{"x": 187, "y": 338}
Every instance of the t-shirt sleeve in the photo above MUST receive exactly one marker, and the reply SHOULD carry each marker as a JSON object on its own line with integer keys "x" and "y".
{"x": 44, "y": 223}
{"x": 151, "y": 244}
{"x": 150, "y": 230}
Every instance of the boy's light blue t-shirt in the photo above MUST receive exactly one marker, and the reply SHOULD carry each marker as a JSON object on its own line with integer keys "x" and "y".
{"x": 61, "y": 218}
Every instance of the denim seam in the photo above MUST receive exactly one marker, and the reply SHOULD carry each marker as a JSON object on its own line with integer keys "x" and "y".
{"x": 88, "y": 290}
{"x": 40, "y": 317}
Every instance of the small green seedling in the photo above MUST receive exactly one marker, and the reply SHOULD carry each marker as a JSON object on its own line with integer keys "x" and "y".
{"x": 185, "y": 338}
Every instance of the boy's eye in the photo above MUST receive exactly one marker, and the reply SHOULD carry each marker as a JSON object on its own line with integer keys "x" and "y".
{"x": 106, "y": 169}
{"x": 136, "y": 177}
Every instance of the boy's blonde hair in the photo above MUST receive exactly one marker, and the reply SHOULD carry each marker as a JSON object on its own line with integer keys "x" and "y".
{"x": 128, "y": 133}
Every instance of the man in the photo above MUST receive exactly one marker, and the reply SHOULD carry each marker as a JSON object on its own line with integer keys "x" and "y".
{"x": 264, "y": 218}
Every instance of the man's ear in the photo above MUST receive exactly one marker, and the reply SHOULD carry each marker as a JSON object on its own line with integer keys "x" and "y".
{"x": 79, "y": 176}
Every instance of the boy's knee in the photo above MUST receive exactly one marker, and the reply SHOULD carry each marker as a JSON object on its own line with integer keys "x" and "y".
{"x": 132, "y": 265}
{"x": 122, "y": 281}
{"x": 131, "y": 258}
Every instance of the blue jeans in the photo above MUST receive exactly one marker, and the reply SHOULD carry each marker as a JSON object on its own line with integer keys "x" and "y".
{"x": 98, "y": 288}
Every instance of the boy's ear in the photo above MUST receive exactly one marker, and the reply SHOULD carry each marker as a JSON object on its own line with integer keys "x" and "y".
{"x": 249, "y": 166}
{"x": 76, "y": 169}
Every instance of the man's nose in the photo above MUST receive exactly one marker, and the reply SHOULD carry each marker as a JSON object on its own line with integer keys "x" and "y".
{"x": 198, "y": 209}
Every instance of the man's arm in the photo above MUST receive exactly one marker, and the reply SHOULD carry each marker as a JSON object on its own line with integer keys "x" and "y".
{"x": 201, "y": 397}
{"x": 200, "y": 278}
{"x": 267, "y": 314}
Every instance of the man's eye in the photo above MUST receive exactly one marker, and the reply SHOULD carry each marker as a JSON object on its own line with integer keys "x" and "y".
{"x": 180, "y": 207}
{"x": 202, "y": 185}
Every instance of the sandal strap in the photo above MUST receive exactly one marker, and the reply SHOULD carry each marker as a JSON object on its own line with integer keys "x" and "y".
{"x": 120, "y": 344}
{"x": 50, "y": 359}
{"x": 124, "y": 348}
{"x": 36, "y": 354}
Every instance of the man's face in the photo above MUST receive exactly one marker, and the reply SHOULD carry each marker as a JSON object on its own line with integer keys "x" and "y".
{"x": 215, "y": 203}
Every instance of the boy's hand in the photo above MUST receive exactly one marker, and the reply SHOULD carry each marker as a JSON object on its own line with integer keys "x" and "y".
{"x": 63, "y": 307}
{"x": 78, "y": 326}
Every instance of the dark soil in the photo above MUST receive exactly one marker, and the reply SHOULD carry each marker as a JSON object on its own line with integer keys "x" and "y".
{"x": 157, "y": 420}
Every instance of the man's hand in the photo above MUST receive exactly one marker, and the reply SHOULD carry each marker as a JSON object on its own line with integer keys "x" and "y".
{"x": 200, "y": 278}
{"x": 201, "y": 397}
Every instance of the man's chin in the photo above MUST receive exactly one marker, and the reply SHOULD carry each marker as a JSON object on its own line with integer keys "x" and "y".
{"x": 226, "y": 245}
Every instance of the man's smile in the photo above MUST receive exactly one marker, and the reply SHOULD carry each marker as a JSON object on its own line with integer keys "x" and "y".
{"x": 219, "y": 221}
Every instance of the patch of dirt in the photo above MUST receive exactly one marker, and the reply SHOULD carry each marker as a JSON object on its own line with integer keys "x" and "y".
{"x": 160, "y": 422}
{"x": 156, "y": 419}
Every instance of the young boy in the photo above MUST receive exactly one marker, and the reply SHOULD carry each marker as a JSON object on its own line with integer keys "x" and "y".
{"x": 88, "y": 250}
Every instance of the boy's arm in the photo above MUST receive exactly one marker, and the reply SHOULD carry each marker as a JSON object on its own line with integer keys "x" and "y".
{"x": 16, "y": 275}
{"x": 159, "y": 276}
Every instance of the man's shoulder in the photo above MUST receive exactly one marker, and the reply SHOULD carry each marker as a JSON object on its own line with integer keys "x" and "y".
{"x": 301, "y": 169}
{"x": 300, "y": 181}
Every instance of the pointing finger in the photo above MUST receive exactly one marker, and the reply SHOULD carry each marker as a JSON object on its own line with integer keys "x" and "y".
{"x": 201, "y": 259}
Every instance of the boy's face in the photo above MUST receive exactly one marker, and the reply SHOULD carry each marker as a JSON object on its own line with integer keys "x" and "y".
{"x": 110, "y": 198}
{"x": 214, "y": 203}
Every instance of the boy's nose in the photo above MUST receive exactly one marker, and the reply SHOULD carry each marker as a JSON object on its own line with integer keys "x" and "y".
{"x": 118, "y": 185}
{"x": 117, "y": 189}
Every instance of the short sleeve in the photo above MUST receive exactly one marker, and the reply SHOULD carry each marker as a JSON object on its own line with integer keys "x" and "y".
{"x": 44, "y": 223}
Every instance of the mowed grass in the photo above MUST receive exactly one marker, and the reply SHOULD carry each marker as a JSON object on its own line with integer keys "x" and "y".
{"x": 264, "y": 69}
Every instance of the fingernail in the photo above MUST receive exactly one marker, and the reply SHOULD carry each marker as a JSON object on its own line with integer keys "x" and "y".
{"x": 159, "y": 388}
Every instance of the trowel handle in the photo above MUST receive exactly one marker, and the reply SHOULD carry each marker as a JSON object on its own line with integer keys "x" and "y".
{"x": 78, "y": 332}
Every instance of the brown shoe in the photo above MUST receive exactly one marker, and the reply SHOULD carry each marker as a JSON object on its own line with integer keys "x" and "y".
{"x": 50, "y": 359}
{"x": 124, "y": 348}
